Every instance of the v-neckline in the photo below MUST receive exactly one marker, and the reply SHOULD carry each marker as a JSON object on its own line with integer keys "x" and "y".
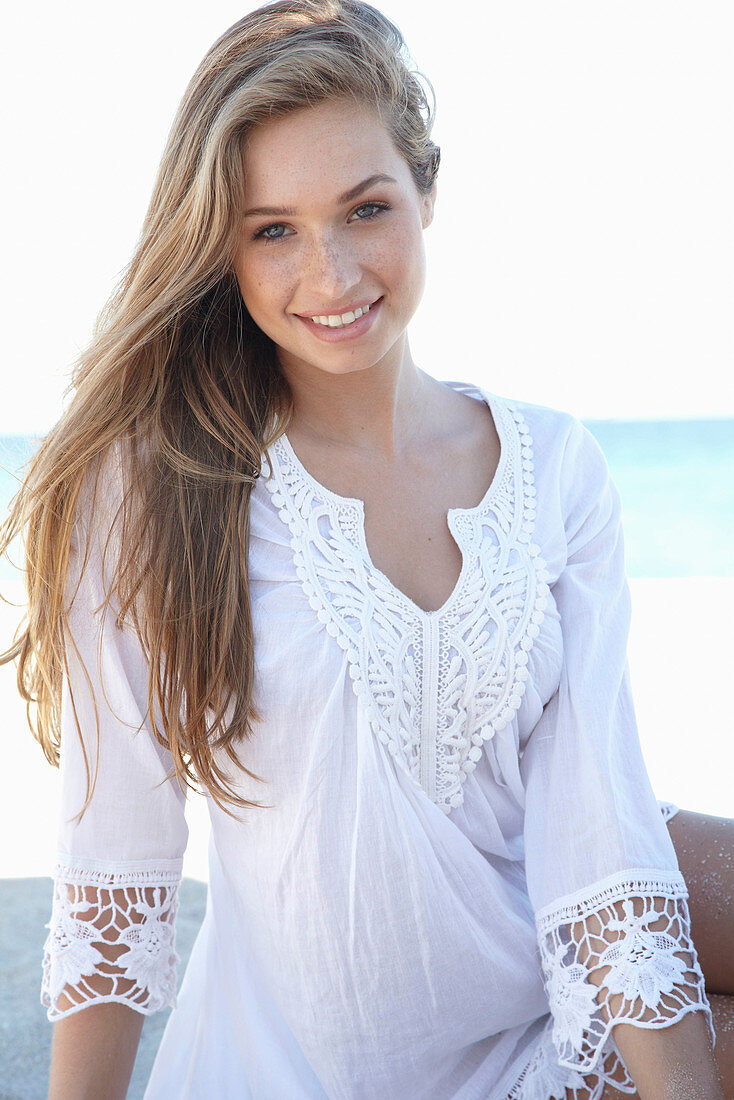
{"x": 357, "y": 505}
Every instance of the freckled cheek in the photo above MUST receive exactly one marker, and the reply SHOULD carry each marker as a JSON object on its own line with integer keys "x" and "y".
{"x": 266, "y": 288}
{"x": 405, "y": 273}
{"x": 386, "y": 263}
{"x": 403, "y": 249}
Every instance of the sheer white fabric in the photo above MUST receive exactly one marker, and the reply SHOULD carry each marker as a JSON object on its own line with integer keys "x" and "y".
{"x": 460, "y": 878}
{"x": 112, "y": 929}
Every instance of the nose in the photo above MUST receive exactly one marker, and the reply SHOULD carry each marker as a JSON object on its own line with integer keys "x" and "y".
{"x": 331, "y": 269}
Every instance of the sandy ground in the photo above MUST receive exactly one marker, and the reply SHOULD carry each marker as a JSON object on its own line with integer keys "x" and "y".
{"x": 681, "y": 655}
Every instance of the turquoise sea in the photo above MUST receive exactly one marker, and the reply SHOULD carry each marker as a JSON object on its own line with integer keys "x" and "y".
{"x": 675, "y": 477}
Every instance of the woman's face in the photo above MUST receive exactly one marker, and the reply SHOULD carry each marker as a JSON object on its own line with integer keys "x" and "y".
{"x": 333, "y": 223}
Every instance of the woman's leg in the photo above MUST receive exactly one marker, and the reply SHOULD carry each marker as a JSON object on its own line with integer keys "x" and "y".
{"x": 704, "y": 846}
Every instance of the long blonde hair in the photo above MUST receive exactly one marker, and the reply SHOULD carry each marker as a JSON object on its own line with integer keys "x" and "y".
{"x": 179, "y": 373}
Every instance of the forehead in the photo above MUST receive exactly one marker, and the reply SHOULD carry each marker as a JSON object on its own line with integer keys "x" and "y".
{"x": 319, "y": 150}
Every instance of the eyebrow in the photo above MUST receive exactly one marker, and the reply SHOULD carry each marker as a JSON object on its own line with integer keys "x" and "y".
{"x": 352, "y": 193}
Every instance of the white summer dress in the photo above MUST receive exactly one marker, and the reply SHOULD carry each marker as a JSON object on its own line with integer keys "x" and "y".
{"x": 459, "y": 828}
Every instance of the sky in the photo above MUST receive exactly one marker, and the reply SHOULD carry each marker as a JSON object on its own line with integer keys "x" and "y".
{"x": 582, "y": 252}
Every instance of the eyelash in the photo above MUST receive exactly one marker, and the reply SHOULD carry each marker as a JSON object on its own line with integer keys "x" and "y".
{"x": 260, "y": 233}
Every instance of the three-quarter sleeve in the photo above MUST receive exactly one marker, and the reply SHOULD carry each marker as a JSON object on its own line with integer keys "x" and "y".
{"x": 112, "y": 929}
{"x": 603, "y": 878}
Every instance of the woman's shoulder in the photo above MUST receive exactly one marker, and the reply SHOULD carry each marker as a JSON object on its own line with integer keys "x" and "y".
{"x": 565, "y": 449}
{"x": 551, "y": 428}
{"x": 553, "y": 446}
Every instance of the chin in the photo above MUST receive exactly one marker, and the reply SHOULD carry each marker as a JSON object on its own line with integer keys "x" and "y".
{"x": 336, "y": 368}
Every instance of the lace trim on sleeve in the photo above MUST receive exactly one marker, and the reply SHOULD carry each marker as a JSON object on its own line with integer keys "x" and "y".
{"x": 621, "y": 953}
{"x": 112, "y": 938}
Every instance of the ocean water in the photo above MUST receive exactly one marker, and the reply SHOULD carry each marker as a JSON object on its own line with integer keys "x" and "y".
{"x": 676, "y": 481}
{"x": 675, "y": 478}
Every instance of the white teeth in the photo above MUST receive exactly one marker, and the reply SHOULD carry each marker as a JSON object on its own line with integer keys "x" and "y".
{"x": 335, "y": 320}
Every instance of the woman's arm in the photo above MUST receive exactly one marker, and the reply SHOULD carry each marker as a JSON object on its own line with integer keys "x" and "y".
{"x": 93, "y": 1053}
{"x": 704, "y": 846}
{"x": 674, "y": 1062}
{"x": 671, "y": 1063}
{"x": 109, "y": 958}
{"x": 666, "y": 1063}
{"x": 94, "y": 1049}
{"x": 603, "y": 878}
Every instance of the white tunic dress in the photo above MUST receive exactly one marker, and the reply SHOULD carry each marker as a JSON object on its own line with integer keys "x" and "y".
{"x": 459, "y": 827}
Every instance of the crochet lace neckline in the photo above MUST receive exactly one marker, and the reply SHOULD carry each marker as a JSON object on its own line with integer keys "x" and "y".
{"x": 356, "y": 506}
{"x": 437, "y": 685}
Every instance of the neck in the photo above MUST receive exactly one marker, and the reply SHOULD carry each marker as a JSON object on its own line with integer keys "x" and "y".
{"x": 376, "y": 409}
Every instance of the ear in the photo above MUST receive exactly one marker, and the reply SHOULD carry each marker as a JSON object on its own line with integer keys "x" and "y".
{"x": 428, "y": 202}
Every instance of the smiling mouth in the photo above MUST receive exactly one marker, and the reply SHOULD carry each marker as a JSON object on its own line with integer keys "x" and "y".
{"x": 336, "y": 326}
{"x": 340, "y": 320}
{"x": 337, "y": 320}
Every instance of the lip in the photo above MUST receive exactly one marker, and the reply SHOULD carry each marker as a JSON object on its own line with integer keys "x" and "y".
{"x": 347, "y": 309}
{"x": 345, "y": 332}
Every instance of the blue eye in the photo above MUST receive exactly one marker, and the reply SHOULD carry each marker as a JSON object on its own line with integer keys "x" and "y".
{"x": 376, "y": 206}
{"x": 265, "y": 234}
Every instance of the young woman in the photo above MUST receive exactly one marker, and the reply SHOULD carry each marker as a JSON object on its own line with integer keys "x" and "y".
{"x": 380, "y": 618}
